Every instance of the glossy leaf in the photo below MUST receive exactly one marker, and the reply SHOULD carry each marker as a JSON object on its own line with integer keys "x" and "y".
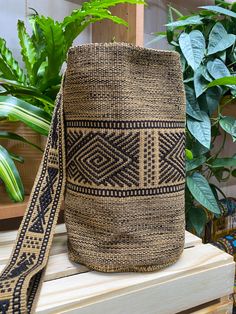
{"x": 217, "y": 68}
{"x": 224, "y": 162}
{"x": 195, "y": 163}
{"x": 213, "y": 97}
{"x": 229, "y": 125}
{"x": 200, "y": 83}
{"x": 219, "y": 39}
{"x": 193, "y": 47}
{"x": 201, "y": 130}
{"x": 198, "y": 219}
{"x": 219, "y": 9}
{"x": 193, "y": 20}
{"x": 201, "y": 191}
{"x": 192, "y": 106}
{"x": 31, "y": 115}
{"x": 10, "y": 176}
{"x": 228, "y": 80}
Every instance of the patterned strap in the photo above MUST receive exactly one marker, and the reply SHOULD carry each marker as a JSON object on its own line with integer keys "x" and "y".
{"x": 22, "y": 276}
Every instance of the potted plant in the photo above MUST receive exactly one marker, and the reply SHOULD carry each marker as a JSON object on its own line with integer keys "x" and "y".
{"x": 27, "y": 95}
{"x": 206, "y": 41}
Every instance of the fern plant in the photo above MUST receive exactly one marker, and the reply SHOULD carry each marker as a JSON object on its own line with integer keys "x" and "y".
{"x": 28, "y": 94}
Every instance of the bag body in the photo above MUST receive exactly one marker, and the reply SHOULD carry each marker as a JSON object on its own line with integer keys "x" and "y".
{"x": 115, "y": 150}
{"x": 124, "y": 111}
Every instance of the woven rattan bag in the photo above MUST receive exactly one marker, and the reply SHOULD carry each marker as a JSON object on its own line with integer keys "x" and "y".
{"x": 116, "y": 152}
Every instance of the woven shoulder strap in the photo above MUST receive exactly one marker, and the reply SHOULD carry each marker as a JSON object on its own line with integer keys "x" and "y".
{"x": 22, "y": 276}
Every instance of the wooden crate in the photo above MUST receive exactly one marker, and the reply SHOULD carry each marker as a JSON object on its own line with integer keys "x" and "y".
{"x": 203, "y": 274}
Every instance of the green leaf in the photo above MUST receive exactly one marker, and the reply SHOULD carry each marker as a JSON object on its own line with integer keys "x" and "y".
{"x": 16, "y": 157}
{"x": 198, "y": 219}
{"x": 229, "y": 125}
{"x": 219, "y": 39}
{"x": 198, "y": 149}
{"x": 224, "y": 81}
{"x": 200, "y": 83}
{"x": 188, "y": 154}
{"x": 201, "y": 191}
{"x": 193, "y": 47}
{"x": 224, "y": 162}
{"x": 201, "y": 130}
{"x": 10, "y": 176}
{"x": 5, "y": 70}
{"x": 217, "y": 69}
{"x": 16, "y": 137}
{"x": 28, "y": 51}
{"x": 195, "y": 163}
{"x": 11, "y": 63}
{"x": 170, "y": 29}
{"x": 213, "y": 96}
{"x": 219, "y": 9}
{"x": 34, "y": 117}
{"x": 193, "y": 20}
{"x": 192, "y": 107}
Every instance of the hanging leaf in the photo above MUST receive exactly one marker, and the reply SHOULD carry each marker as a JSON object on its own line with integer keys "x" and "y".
{"x": 10, "y": 176}
{"x": 229, "y": 125}
{"x": 201, "y": 191}
{"x": 219, "y": 9}
{"x": 192, "y": 106}
{"x": 34, "y": 117}
{"x": 193, "y": 47}
{"x": 224, "y": 81}
{"x": 170, "y": 29}
{"x": 194, "y": 163}
{"x": 224, "y": 162}
{"x": 198, "y": 219}
{"x": 200, "y": 84}
{"x": 193, "y": 20}
{"x": 201, "y": 130}
{"x": 219, "y": 39}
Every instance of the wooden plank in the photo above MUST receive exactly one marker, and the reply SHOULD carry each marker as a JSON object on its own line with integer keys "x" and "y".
{"x": 221, "y": 306}
{"x": 93, "y": 292}
{"x": 8, "y": 209}
{"x": 107, "y": 31}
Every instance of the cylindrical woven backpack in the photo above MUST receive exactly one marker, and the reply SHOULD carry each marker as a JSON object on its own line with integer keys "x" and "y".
{"x": 115, "y": 152}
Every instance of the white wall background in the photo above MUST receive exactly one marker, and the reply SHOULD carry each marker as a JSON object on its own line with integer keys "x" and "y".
{"x": 13, "y": 10}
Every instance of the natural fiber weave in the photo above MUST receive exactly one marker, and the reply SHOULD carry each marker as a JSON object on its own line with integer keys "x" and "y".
{"x": 124, "y": 118}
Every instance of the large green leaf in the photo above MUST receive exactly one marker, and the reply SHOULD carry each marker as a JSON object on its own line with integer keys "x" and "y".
{"x": 229, "y": 125}
{"x": 193, "y": 47}
{"x": 228, "y": 80}
{"x": 200, "y": 83}
{"x": 192, "y": 106}
{"x": 219, "y": 39}
{"x": 195, "y": 163}
{"x": 198, "y": 219}
{"x": 201, "y": 130}
{"x": 219, "y": 9}
{"x": 10, "y": 176}
{"x": 16, "y": 137}
{"x": 5, "y": 71}
{"x": 201, "y": 191}
{"x": 28, "y": 51}
{"x": 192, "y": 20}
{"x": 34, "y": 117}
{"x": 217, "y": 68}
{"x": 213, "y": 96}
{"x": 11, "y": 63}
{"x": 224, "y": 162}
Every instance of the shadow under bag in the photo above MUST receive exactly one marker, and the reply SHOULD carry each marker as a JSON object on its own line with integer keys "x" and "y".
{"x": 115, "y": 153}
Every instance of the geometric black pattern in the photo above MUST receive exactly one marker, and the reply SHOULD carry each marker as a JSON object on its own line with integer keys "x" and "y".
{"x": 45, "y": 200}
{"x": 103, "y": 158}
{"x": 171, "y": 157}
